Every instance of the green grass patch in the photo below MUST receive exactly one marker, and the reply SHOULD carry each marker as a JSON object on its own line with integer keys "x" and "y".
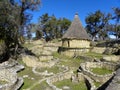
{"x": 42, "y": 86}
{"x": 101, "y": 71}
{"x": 94, "y": 55}
{"x": 27, "y": 83}
{"x": 68, "y": 61}
{"x": 97, "y": 84}
{"x": 73, "y": 86}
{"x": 28, "y": 80}
{"x": 53, "y": 69}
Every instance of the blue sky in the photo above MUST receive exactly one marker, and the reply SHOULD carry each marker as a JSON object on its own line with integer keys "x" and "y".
{"x": 67, "y": 8}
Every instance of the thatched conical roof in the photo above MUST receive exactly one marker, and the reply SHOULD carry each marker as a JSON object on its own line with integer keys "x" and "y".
{"x": 76, "y": 30}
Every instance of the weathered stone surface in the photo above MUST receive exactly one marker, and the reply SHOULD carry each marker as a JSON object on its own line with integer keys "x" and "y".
{"x": 10, "y": 77}
{"x": 111, "y": 58}
{"x": 45, "y": 57}
{"x": 32, "y": 61}
{"x": 115, "y": 84}
{"x": 66, "y": 88}
{"x": 86, "y": 68}
{"x": 8, "y": 73}
{"x": 37, "y": 49}
{"x": 45, "y": 73}
{"x": 98, "y": 49}
{"x": 110, "y": 50}
{"x": 59, "y": 77}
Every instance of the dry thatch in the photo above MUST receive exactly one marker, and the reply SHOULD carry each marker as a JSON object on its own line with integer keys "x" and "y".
{"x": 76, "y": 31}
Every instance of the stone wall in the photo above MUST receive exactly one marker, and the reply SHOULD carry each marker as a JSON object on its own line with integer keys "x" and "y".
{"x": 58, "y": 77}
{"x": 89, "y": 82}
{"x": 8, "y": 75}
{"x": 111, "y": 58}
{"x": 105, "y": 50}
{"x": 86, "y": 68}
{"x": 12, "y": 82}
{"x": 66, "y": 74}
{"x": 45, "y": 57}
{"x": 115, "y": 83}
{"x": 98, "y": 49}
{"x": 32, "y": 61}
{"x": 73, "y": 51}
{"x": 76, "y": 43}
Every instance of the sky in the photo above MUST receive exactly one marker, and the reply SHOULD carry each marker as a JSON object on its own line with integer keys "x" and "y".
{"x": 68, "y": 8}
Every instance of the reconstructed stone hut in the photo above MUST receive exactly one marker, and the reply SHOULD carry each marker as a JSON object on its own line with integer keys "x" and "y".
{"x": 76, "y": 38}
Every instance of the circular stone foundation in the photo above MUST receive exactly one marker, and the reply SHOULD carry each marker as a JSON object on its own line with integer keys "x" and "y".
{"x": 88, "y": 66}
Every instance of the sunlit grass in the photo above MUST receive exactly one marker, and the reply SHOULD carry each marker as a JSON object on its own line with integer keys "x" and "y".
{"x": 97, "y": 84}
{"x": 94, "y": 55}
{"x": 53, "y": 69}
{"x": 73, "y": 86}
{"x": 101, "y": 71}
{"x": 30, "y": 80}
{"x": 68, "y": 61}
{"x": 42, "y": 86}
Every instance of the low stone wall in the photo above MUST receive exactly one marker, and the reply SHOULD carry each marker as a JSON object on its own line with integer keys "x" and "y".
{"x": 73, "y": 51}
{"x": 98, "y": 49}
{"x": 45, "y": 73}
{"x": 32, "y": 61}
{"x": 45, "y": 57}
{"x": 89, "y": 82}
{"x": 9, "y": 76}
{"x": 115, "y": 83}
{"x": 58, "y": 77}
{"x": 111, "y": 58}
{"x": 37, "y": 49}
{"x": 105, "y": 50}
{"x": 11, "y": 79}
{"x": 86, "y": 68}
{"x": 51, "y": 48}
{"x": 66, "y": 74}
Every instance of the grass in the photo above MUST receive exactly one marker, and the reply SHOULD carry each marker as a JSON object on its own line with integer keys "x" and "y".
{"x": 28, "y": 81}
{"x": 94, "y": 55}
{"x": 68, "y": 61}
{"x": 42, "y": 86}
{"x": 54, "y": 69}
{"x": 73, "y": 86}
{"x": 101, "y": 71}
{"x": 97, "y": 84}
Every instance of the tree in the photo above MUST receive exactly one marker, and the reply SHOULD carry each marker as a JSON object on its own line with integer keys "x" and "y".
{"x": 9, "y": 26}
{"x": 52, "y": 27}
{"x": 116, "y": 26}
{"x": 13, "y": 18}
{"x": 25, "y": 17}
{"x": 63, "y": 25}
{"x": 43, "y": 22}
{"x": 97, "y": 24}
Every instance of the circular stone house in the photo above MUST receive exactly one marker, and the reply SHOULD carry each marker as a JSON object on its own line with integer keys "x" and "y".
{"x": 75, "y": 40}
